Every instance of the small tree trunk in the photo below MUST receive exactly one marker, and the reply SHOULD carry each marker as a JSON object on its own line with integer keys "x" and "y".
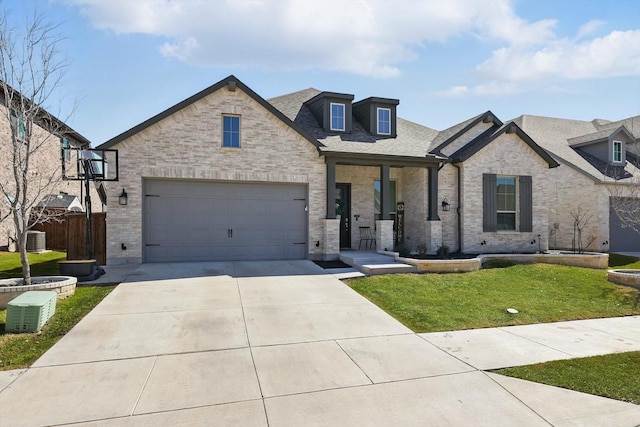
{"x": 21, "y": 241}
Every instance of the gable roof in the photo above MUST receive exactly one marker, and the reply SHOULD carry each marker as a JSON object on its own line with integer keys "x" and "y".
{"x": 58, "y": 201}
{"x": 449, "y": 135}
{"x": 553, "y": 134}
{"x": 491, "y": 135}
{"x": 602, "y": 135}
{"x": 231, "y": 83}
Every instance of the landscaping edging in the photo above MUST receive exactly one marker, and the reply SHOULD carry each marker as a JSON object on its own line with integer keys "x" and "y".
{"x": 588, "y": 260}
{"x": 625, "y": 277}
{"x": 65, "y": 286}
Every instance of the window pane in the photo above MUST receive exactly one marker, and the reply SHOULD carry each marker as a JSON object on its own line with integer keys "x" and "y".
{"x": 384, "y": 121}
{"x": 506, "y": 192}
{"x": 337, "y": 116}
{"x": 231, "y": 131}
{"x": 506, "y": 221}
{"x": 617, "y": 151}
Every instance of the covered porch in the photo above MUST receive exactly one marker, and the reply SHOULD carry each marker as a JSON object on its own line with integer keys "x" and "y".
{"x": 381, "y": 203}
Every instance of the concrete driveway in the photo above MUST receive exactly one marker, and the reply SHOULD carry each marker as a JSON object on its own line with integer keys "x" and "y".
{"x": 269, "y": 344}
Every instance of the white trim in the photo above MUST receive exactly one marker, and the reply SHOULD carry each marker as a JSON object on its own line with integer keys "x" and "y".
{"x": 239, "y": 132}
{"x": 613, "y": 152}
{"x": 344, "y": 119}
{"x": 378, "y": 121}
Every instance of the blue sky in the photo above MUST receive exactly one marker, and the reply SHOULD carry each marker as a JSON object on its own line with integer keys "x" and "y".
{"x": 444, "y": 60}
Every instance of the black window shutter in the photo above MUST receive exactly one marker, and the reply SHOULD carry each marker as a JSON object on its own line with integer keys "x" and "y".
{"x": 489, "y": 203}
{"x": 526, "y": 204}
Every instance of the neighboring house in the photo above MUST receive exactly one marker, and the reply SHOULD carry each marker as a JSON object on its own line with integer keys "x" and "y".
{"x": 46, "y": 166}
{"x": 599, "y": 159}
{"x": 62, "y": 202}
{"x": 226, "y": 174}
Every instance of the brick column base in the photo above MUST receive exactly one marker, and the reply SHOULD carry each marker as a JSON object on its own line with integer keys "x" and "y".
{"x": 331, "y": 244}
{"x": 433, "y": 236}
{"x": 384, "y": 235}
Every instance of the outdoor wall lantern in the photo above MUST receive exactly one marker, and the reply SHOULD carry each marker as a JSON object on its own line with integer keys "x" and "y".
{"x": 123, "y": 199}
{"x": 445, "y": 205}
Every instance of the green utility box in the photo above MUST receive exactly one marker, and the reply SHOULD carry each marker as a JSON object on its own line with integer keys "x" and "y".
{"x": 29, "y": 311}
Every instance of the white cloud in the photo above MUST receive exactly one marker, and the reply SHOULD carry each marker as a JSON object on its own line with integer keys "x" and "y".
{"x": 590, "y": 28}
{"x": 365, "y": 37}
{"x": 454, "y": 92}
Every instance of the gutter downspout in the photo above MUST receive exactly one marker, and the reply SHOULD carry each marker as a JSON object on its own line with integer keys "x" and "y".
{"x": 459, "y": 206}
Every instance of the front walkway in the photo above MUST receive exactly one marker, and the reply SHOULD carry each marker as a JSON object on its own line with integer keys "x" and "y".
{"x": 284, "y": 344}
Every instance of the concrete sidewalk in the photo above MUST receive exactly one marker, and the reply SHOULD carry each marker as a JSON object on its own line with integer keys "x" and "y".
{"x": 284, "y": 344}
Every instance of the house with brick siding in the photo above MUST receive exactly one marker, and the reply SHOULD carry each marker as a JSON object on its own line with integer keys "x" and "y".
{"x": 228, "y": 175}
{"x": 45, "y": 166}
{"x": 600, "y": 161}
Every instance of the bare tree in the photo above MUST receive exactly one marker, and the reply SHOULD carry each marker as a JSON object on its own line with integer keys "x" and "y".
{"x": 581, "y": 218}
{"x": 30, "y": 72}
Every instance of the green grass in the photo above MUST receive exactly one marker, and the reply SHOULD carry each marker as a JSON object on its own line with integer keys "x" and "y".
{"x": 44, "y": 264}
{"x": 21, "y": 350}
{"x": 540, "y": 292}
{"x": 615, "y": 375}
{"x": 623, "y": 261}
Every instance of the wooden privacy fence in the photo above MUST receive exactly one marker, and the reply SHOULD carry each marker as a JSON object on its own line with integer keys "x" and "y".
{"x": 70, "y": 235}
{"x": 77, "y": 241}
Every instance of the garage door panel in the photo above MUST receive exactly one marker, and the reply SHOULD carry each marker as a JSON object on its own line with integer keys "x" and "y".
{"x": 192, "y": 220}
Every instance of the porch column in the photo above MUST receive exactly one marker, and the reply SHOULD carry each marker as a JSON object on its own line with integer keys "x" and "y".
{"x": 433, "y": 194}
{"x": 331, "y": 189}
{"x": 385, "y": 193}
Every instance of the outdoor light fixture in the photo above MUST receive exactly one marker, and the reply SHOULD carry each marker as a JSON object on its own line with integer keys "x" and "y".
{"x": 123, "y": 199}
{"x": 445, "y": 205}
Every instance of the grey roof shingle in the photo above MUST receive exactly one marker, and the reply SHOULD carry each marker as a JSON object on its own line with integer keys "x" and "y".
{"x": 57, "y": 201}
{"x": 412, "y": 140}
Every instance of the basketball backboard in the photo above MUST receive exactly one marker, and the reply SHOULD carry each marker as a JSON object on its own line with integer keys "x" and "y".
{"x": 100, "y": 165}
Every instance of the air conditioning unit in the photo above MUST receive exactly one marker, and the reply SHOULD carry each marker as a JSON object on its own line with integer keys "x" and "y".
{"x": 36, "y": 241}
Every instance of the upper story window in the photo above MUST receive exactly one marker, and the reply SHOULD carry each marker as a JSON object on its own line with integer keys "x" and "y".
{"x": 65, "y": 146}
{"x": 506, "y": 208}
{"x": 393, "y": 198}
{"x": 617, "y": 151}
{"x": 17, "y": 123}
{"x": 337, "y": 116}
{"x": 231, "y": 131}
{"x": 384, "y": 121}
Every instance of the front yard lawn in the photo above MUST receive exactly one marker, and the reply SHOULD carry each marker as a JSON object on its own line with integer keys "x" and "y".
{"x": 540, "y": 292}
{"x": 614, "y": 375}
{"x": 43, "y": 264}
{"x": 21, "y": 350}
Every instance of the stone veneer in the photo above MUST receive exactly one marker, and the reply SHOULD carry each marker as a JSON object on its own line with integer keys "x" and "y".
{"x": 188, "y": 146}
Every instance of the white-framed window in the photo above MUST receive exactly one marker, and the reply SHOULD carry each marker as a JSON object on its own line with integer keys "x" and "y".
{"x": 617, "y": 151}
{"x": 337, "y": 116}
{"x": 506, "y": 207}
{"x": 384, "y": 121}
{"x": 231, "y": 131}
{"x": 65, "y": 146}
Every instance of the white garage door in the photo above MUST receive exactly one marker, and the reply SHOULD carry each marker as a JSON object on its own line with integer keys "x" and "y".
{"x": 211, "y": 221}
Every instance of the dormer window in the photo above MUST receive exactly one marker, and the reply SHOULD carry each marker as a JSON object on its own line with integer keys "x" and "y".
{"x": 384, "y": 121}
{"x": 617, "y": 151}
{"x": 337, "y": 117}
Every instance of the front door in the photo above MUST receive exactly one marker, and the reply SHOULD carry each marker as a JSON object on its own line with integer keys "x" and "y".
{"x": 343, "y": 208}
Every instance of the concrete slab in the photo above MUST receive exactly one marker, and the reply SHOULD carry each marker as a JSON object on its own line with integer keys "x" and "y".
{"x": 139, "y": 335}
{"x": 114, "y": 274}
{"x": 469, "y": 399}
{"x": 199, "y": 379}
{"x": 165, "y": 296}
{"x": 249, "y": 414}
{"x": 74, "y": 393}
{"x": 7, "y": 377}
{"x": 624, "y": 327}
{"x": 492, "y": 348}
{"x": 282, "y": 268}
{"x": 574, "y": 338}
{"x": 345, "y": 273}
{"x": 566, "y": 408}
{"x": 373, "y": 269}
{"x": 301, "y": 368}
{"x": 181, "y": 270}
{"x": 258, "y": 292}
{"x": 400, "y": 357}
{"x": 287, "y": 324}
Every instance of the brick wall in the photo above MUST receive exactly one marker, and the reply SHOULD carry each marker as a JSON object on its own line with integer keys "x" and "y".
{"x": 188, "y": 145}
{"x": 507, "y": 155}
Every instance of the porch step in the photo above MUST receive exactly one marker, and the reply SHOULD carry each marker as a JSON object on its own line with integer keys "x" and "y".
{"x": 395, "y": 268}
{"x": 370, "y": 263}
